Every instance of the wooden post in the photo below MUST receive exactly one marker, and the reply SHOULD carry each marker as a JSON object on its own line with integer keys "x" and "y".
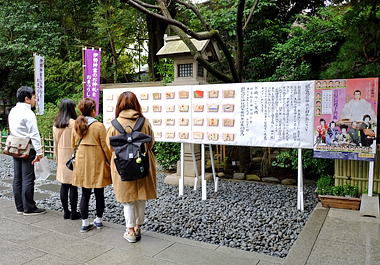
{"x": 83, "y": 66}
{"x": 217, "y": 157}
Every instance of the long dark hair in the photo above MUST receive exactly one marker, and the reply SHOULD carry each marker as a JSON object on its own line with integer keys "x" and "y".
{"x": 127, "y": 100}
{"x": 65, "y": 113}
{"x": 86, "y": 106}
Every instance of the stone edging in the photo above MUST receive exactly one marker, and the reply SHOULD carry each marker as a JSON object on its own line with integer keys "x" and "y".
{"x": 300, "y": 252}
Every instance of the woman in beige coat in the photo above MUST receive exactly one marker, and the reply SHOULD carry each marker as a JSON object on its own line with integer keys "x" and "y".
{"x": 91, "y": 166}
{"x": 62, "y": 127}
{"x": 133, "y": 194}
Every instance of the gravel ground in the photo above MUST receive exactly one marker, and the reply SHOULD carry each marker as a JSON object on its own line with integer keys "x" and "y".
{"x": 246, "y": 215}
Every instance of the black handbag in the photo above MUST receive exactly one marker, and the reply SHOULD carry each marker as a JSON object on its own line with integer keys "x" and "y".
{"x": 70, "y": 162}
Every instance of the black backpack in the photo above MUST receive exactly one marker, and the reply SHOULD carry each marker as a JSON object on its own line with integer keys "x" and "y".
{"x": 132, "y": 160}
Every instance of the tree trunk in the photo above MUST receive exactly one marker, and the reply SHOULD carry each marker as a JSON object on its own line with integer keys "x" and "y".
{"x": 156, "y": 31}
{"x": 244, "y": 158}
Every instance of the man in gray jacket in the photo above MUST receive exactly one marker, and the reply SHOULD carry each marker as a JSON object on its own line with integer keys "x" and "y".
{"x": 23, "y": 123}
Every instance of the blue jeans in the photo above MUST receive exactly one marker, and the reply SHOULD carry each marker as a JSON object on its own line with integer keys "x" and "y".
{"x": 23, "y": 183}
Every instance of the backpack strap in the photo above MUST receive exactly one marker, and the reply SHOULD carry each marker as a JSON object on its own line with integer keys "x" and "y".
{"x": 117, "y": 126}
{"x": 139, "y": 123}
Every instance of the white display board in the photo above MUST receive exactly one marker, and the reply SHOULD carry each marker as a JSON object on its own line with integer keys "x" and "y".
{"x": 275, "y": 114}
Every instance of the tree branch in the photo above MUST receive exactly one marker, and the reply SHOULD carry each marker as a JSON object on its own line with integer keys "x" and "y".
{"x": 212, "y": 34}
{"x": 250, "y": 14}
{"x": 193, "y": 50}
{"x": 196, "y": 12}
{"x": 145, "y": 4}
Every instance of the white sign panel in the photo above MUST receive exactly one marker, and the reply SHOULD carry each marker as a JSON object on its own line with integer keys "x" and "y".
{"x": 39, "y": 81}
{"x": 251, "y": 114}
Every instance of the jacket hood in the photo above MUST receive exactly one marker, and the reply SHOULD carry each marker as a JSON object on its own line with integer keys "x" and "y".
{"x": 129, "y": 114}
{"x": 90, "y": 120}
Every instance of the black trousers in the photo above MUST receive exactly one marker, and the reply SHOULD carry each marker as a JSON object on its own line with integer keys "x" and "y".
{"x": 99, "y": 196}
{"x": 23, "y": 183}
{"x": 68, "y": 190}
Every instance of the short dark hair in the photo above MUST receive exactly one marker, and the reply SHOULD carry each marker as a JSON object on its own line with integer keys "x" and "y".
{"x": 357, "y": 91}
{"x": 23, "y": 92}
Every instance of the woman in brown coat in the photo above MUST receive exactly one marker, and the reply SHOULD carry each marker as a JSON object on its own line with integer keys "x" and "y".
{"x": 62, "y": 127}
{"x": 133, "y": 194}
{"x": 91, "y": 166}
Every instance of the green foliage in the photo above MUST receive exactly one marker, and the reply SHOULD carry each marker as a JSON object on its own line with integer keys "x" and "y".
{"x": 324, "y": 185}
{"x": 166, "y": 69}
{"x": 358, "y": 55}
{"x": 23, "y": 30}
{"x": 62, "y": 78}
{"x": 167, "y": 154}
{"x": 311, "y": 36}
{"x": 337, "y": 190}
{"x": 373, "y": 192}
{"x": 314, "y": 167}
{"x": 126, "y": 29}
{"x": 351, "y": 191}
{"x": 45, "y": 122}
{"x": 284, "y": 160}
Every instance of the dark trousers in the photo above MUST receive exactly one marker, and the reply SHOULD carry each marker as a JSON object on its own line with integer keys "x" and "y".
{"x": 68, "y": 190}
{"x": 99, "y": 196}
{"x": 23, "y": 183}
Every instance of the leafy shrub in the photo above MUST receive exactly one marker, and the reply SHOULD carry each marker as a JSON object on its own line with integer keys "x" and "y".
{"x": 166, "y": 69}
{"x": 314, "y": 167}
{"x": 351, "y": 191}
{"x": 45, "y": 122}
{"x": 167, "y": 154}
{"x": 337, "y": 190}
{"x": 324, "y": 185}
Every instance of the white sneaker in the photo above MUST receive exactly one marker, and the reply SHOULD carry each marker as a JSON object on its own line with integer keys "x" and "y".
{"x": 130, "y": 237}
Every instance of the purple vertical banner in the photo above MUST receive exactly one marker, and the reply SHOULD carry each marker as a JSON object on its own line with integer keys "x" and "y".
{"x": 92, "y": 75}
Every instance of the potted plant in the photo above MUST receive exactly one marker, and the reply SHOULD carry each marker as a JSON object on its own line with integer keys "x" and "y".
{"x": 344, "y": 197}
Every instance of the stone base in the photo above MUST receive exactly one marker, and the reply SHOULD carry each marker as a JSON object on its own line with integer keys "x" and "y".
{"x": 370, "y": 206}
{"x": 173, "y": 179}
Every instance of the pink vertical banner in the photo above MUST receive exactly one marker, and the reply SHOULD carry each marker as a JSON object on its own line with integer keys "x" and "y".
{"x": 92, "y": 75}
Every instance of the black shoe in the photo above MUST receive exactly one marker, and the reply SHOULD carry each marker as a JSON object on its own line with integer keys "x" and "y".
{"x": 66, "y": 214}
{"x": 75, "y": 216}
{"x": 36, "y": 212}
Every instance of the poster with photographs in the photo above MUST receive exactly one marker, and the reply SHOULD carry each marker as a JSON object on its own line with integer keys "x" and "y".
{"x": 346, "y": 119}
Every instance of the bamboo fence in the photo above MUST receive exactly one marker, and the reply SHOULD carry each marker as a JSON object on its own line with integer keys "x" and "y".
{"x": 355, "y": 172}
